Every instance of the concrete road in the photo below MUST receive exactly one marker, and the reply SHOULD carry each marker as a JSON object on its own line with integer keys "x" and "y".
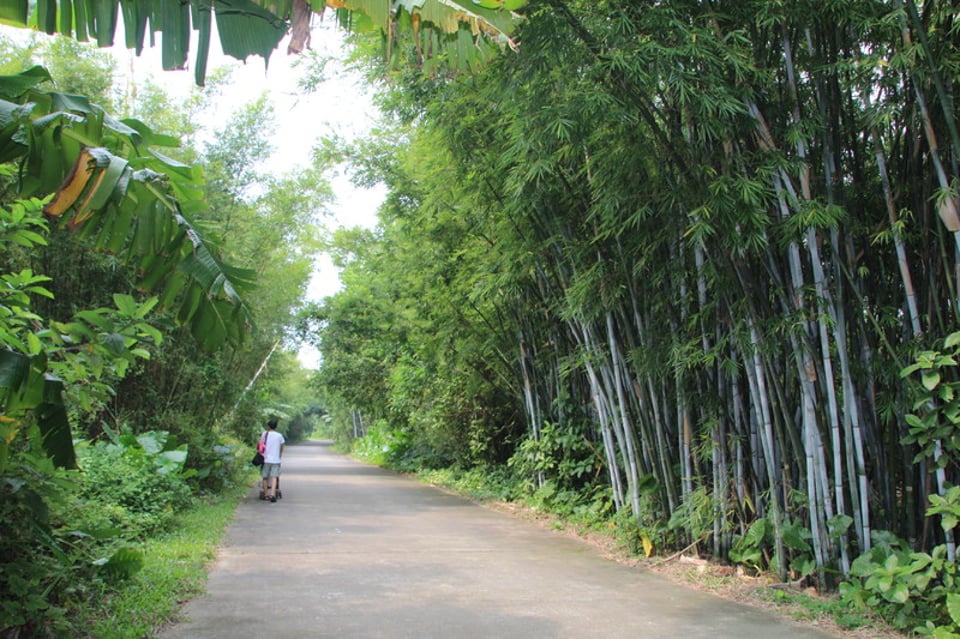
{"x": 353, "y": 551}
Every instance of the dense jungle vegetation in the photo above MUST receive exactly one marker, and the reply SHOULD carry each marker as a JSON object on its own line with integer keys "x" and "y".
{"x": 689, "y": 268}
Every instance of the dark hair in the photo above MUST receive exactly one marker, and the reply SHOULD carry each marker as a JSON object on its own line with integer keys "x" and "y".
{"x": 272, "y": 424}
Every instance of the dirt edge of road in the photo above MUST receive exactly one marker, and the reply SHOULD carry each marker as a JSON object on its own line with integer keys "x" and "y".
{"x": 721, "y": 580}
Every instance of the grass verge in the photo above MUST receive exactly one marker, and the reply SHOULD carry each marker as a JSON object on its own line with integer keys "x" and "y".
{"x": 175, "y": 570}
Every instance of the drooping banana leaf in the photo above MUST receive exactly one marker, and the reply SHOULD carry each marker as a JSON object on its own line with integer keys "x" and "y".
{"x": 176, "y": 35}
{"x": 246, "y": 29}
{"x": 25, "y": 386}
{"x": 252, "y": 27}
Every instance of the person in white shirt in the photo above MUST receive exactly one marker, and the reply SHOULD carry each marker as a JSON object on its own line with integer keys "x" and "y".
{"x": 273, "y": 450}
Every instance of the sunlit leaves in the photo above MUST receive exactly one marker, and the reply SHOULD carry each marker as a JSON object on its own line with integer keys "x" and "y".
{"x": 109, "y": 191}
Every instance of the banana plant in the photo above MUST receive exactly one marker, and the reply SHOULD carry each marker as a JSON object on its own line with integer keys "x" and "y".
{"x": 255, "y": 27}
{"x": 109, "y": 183}
{"x": 104, "y": 179}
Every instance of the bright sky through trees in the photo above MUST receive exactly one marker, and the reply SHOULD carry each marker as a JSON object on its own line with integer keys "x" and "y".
{"x": 340, "y": 106}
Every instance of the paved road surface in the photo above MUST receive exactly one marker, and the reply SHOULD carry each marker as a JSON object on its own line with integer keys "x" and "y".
{"x": 356, "y": 552}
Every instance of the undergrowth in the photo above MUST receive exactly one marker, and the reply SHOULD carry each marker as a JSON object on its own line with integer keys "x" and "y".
{"x": 175, "y": 570}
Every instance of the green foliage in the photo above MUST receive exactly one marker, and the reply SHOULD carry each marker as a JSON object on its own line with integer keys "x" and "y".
{"x": 49, "y": 363}
{"x": 57, "y": 553}
{"x": 74, "y": 535}
{"x": 480, "y": 482}
{"x": 125, "y": 198}
{"x": 695, "y": 515}
{"x": 138, "y": 482}
{"x": 747, "y": 549}
{"x": 911, "y": 590}
{"x": 933, "y": 425}
{"x": 754, "y": 548}
{"x": 390, "y": 447}
{"x": 947, "y": 507}
{"x": 806, "y": 608}
{"x": 560, "y": 455}
{"x": 175, "y": 570}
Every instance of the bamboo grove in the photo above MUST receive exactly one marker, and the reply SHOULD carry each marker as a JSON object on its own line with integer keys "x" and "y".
{"x": 701, "y": 239}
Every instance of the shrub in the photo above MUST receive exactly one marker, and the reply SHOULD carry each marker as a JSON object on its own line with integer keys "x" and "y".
{"x": 136, "y": 481}
{"x": 47, "y": 562}
{"x": 911, "y": 590}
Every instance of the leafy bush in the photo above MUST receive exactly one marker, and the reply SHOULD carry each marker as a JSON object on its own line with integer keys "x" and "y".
{"x": 47, "y": 563}
{"x": 137, "y": 482}
{"x": 560, "y": 456}
{"x": 375, "y": 447}
{"x": 479, "y": 482}
{"x": 908, "y": 589}
{"x": 755, "y": 548}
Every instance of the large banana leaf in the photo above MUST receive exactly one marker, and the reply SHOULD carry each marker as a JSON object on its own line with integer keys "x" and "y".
{"x": 26, "y": 385}
{"x": 112, "y": 186}
{"x": 255, "y": 27}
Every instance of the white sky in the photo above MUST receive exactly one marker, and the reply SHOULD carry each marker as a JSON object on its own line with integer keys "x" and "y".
{"x": 340, "y": 105}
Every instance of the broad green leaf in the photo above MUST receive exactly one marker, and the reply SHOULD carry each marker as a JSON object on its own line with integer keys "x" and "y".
{"x": 953, "y": 607}
{"x": 899, "y": 593}
{"x": 174, "y": 458}
{"x": 153, "y": 442}
{"x": 123, "y": 563}
{"x": 34, "y": 346}
{"x": 126, "y": 304}
{"x": 14, "y": 368}
{"x": 931, "y": 379}
{"x": 13, "y": 86}
{"x": 949, "y": 521}
{"x": 54, "y": 426}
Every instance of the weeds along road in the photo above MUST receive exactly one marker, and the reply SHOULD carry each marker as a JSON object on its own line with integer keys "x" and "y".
{"x": 354, "y": 551}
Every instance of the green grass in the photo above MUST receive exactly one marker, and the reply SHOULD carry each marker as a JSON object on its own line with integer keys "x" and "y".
{"x": 803, "y": 608}
{"x": 175, "y": 570}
